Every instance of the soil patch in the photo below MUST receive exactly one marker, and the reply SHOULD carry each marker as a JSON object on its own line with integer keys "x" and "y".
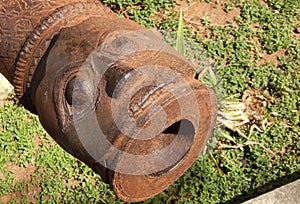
{"x": 196, "y": 11}
{"x": 273, "y": 58}
{"x": 21, "y": 173}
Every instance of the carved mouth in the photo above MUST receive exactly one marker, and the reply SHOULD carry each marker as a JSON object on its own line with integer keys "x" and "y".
{"x": 184, "y": 131}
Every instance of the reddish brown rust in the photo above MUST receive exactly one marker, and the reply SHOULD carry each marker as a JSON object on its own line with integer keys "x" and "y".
{"x": 109, "y": 92}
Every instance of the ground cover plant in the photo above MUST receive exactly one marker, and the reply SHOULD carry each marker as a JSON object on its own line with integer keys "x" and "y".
{"x": 255, "y": 48}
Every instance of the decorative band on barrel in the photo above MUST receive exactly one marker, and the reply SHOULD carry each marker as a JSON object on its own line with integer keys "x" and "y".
{"x": 40, "y": 38}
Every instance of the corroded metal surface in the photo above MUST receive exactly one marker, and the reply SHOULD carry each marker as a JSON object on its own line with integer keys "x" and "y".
{"x": 109, "y": 92}
{"x": 27, "y": 27}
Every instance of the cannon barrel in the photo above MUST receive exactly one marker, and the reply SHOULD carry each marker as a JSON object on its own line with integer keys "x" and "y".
{"x": 108, "y": 91}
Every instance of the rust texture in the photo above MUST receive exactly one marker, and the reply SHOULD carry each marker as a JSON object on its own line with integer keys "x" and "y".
{"x": 108, "y": 91}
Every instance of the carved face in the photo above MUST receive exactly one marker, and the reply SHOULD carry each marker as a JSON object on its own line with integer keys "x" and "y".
{"x": 124, "y": 103}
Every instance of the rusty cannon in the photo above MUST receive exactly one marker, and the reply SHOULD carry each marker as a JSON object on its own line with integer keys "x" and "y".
{"x": 108, "y": 91}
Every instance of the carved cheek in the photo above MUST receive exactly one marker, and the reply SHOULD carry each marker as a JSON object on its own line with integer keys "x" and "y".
{"x": 45, "y": 106}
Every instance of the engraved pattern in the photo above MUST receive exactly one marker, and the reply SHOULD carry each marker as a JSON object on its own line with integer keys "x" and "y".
{"x": 16, "y": 21}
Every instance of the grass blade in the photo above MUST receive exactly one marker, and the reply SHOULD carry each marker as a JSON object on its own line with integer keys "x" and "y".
{"x": 180, "y": 33}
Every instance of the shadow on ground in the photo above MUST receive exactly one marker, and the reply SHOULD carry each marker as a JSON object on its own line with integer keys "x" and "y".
{"x": 264, "y": 189}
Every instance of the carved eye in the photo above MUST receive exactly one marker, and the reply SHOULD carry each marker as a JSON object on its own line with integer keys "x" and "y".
{"x": 79, "y": 91}
{"x": 75, "y": 93}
